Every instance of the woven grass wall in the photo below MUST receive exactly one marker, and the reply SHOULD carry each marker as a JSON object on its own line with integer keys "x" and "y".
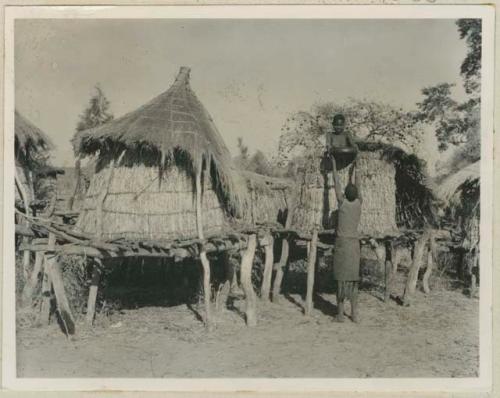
{"x": 316, "y": 205}
{"x": 268, "y": 199}
{"x": 140, "y": 206}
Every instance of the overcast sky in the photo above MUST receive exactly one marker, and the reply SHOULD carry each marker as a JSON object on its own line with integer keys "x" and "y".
{"x": 249, "y": 74}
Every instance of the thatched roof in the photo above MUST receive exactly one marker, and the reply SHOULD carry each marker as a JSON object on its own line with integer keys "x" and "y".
{"x": 173, "y": 126}
{"x": 30, "y": 141}
{"x": 449, "y": 186}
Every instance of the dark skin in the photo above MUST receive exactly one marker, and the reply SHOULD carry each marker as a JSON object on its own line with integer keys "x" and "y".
{"x": 339, "y": 128}
{"x": 338, "y": 189}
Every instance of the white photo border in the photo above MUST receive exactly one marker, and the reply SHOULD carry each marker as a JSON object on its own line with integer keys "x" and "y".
{"x": 483, "y": 383}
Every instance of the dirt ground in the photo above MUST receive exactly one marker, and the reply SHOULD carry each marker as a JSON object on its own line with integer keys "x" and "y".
{"x": 436, "y": 337}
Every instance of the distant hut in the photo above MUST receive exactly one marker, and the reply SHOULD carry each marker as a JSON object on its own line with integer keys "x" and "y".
{"x": 460, "y": 192}
{"x": 268, "y": 201}
{"x": 148, "y": 164}
{"x": 30, "y": 145}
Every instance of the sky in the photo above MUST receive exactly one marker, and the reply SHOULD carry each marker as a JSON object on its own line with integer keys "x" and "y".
{"x": 250, "y": 74}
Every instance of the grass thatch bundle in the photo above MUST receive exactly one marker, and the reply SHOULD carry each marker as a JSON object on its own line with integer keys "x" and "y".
{"x": 394, "y": 192}
{"x": 158, "y": 149}
{"x": 317, "y": 205}
{"x": 29, "y": 142}
{"x": 449, "y": 188}
{"x": 268, "y": 199}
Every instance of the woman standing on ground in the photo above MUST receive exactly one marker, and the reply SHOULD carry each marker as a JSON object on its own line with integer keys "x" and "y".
{"x": 347, "y": 251}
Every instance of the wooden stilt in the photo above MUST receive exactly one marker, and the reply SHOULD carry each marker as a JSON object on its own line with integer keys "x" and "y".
{"x": 54, "y": 272}
{"x": 411, "y": 282}
{"x": 246, "y": 281}
{"x": 31, "y": 283}
{"x": 45, "y": 310}
{"x": 25, "y": 240}
{"x": 207, "y": 291}
{"x": 311, "y": 262}
{"x": 431, "y": 256}
{"x": 94, "y": 286}
{"x": 278, "y": 279}
{"x": 387, "y": 272}
{"x": 268, "y": 267}
{"x": 383, "y": 264}
{"x": 223, "y": 292}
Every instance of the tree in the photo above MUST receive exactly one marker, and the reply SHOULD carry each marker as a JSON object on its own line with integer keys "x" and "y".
{"x": 458, "y": 123}
{"x": 96, "y": 113}
{"x": 470, "y": 30}
{"x": 303, "y": 133}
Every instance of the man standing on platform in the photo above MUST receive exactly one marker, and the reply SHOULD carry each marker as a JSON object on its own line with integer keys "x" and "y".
{"x": 347, "y": 251}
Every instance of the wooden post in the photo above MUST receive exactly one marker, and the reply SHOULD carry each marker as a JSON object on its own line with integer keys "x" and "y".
{"x": 246, "y": 281}
{"x": 94, "y": 286}
{"x": 224, "y": 290}
{"x": 207, "y": 291}
{"x": 285, "y": 249}
{"x": 431, "y": 257}
{"x": 26, "y": 201}
{"x": 411, "y": 282}
{"x": 268, "y": 267}
{"x": 31, "y": 283}
{"x": 384, "y": 264}
{"x": 311, "y": 262}
{"x": 45, "y": 309}
{"x": 54, "y": 271}
{"x": 387, "y": 270}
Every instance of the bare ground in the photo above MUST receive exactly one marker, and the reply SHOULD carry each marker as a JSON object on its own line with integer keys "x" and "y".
{"x": 436, "y": 337}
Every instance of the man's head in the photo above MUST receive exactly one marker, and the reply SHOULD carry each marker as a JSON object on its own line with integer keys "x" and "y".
{"x": 351, "y": 192}
{"x": 338, "y": 123}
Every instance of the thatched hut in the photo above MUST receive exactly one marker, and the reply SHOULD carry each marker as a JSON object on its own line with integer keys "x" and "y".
{"x": 144, "y": 186}
{"x": 268, "y": 201}
{"x": 393, "y": 187}
{"x": 30, "y": 146}
{"x": 460, "y": 192}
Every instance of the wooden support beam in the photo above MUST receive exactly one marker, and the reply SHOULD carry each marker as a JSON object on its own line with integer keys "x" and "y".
{"x": 268, "y": 267}
{"x": 223, "y": 292}
{"x": 31, "y": 283}
{"x": 278, "y": 279}
{"x": 45, "y": 310}
{"x": 311, "y": 263}
{"x": 431, "y": 258}
{"x": 411, "y": 282}
{"x": 55, "y": 274}
{"x": 24, "y": 230}
{"x": 246, "y": 281}
{"x": 207, "y": 290}
{"x": 94, "y": 286}
{"x": 384, "y": 264}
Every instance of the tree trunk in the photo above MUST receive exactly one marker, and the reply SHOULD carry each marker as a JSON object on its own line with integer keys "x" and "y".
{"x": 94, "y": 286}
{"x": 268, "y": 268}
{"x": 411, "y": 282}
{"x": 246, "y": 281}
{"x": 31, "y": 283}
{"x": 311, "y": 262}
{"x": 285, "y": 249}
